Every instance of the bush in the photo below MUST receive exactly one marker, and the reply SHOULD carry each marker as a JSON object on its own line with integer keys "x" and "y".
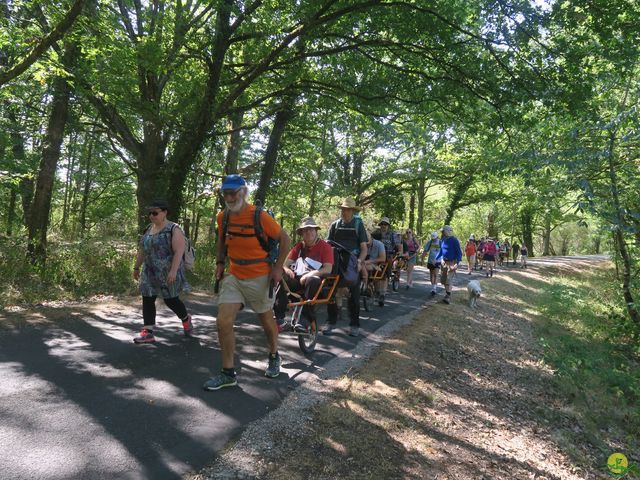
{"x": 72, "y": 271}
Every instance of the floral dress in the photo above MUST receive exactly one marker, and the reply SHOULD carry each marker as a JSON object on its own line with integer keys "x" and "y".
{"x": 158, "y": 256}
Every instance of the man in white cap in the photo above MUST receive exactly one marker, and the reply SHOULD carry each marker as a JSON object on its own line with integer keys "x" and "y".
{"x": 249, "y": 278}
{"x": 450, "y": 254}
{"x": 431, "y": 250}
{"x": 349, "y": 232}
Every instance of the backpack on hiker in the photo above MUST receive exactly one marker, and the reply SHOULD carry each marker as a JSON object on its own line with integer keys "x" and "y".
{"x": 268, "y": 244}
{"x": 189, "y": 255}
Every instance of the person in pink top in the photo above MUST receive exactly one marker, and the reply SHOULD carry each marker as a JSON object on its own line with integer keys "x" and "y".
{"x": 489, "y": 255}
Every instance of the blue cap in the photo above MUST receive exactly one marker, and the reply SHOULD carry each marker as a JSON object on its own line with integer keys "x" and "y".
{"x": 233, "y": 182}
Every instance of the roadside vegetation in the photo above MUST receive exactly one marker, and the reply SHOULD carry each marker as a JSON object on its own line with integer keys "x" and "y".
{"x": 537, "y": 382}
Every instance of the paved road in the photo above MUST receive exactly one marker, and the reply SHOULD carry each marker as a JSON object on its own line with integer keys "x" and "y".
{"x": 78, "y": 400}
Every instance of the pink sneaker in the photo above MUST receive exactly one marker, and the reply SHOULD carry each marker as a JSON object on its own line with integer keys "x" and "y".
{"x": 146, "y": 336}
{"x": 187, "y": 325}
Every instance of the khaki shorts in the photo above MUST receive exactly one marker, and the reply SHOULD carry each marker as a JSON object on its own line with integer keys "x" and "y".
{"x": 253, "y": 292}
{"x": 445, "y": 276}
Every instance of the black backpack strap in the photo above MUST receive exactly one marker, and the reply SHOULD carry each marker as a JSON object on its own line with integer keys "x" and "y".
{"x": 257, "y": 227}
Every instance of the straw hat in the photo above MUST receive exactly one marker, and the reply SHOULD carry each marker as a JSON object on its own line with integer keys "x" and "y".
{"x": 307, "y": 222}
{"x": 349, "y": 202}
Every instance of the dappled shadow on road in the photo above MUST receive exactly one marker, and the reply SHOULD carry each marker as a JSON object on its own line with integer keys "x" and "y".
{"x": 123, "y": 407}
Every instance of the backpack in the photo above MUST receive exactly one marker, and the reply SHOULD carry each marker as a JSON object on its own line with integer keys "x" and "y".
{"x": 268, "y": 244}
{"x": 345, "y": 264}
{"x": 189, "y": 255}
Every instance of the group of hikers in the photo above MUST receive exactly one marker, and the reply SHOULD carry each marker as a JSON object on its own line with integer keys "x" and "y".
{"x": 253, "y": 272}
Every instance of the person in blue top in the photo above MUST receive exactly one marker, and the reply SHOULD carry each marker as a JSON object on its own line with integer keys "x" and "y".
{"x": 450, "y": 255}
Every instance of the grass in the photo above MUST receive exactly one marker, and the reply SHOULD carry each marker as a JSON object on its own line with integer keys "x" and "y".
{"x": 82, "y": 269}
{"x": 542, "y": 381}
{"x": 594, "y": 355}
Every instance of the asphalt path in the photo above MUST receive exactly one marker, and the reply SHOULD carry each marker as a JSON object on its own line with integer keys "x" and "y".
{"x": 78, "y": 400}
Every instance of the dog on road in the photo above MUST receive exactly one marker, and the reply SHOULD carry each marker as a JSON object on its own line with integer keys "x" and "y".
{"x": 473, "y": 287}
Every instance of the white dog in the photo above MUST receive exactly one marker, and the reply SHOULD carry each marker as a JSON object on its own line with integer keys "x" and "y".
{"x": 473, "y": 287}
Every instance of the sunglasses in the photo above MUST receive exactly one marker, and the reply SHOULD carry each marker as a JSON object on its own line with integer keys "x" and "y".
{"x": 155, "y": 213}
{"x": 230, "y": 193}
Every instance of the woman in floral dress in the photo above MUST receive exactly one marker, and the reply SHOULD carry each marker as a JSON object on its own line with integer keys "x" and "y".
{"x": 160, "y": 252}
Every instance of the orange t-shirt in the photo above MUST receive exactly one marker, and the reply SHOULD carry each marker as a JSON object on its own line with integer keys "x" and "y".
{"x": 247, "y": 248}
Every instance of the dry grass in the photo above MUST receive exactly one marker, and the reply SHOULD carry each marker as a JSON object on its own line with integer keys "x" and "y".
{"x": 459, "y": 394}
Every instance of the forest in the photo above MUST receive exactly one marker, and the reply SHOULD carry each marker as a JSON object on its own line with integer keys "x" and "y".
{"x": 515, "y": 119}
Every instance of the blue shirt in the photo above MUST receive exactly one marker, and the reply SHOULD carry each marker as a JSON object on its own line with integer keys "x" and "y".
{"x": 450, "y": 250}
{"x": 374, "y": 249}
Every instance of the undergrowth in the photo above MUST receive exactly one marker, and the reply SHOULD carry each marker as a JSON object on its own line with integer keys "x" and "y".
{"x": 595, "y": 355}
{"x": 77, "y": 270}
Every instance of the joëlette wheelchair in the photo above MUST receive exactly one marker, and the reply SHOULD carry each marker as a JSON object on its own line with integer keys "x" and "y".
{"x": 368, "y": 287}
{"x": 324, "y": 295}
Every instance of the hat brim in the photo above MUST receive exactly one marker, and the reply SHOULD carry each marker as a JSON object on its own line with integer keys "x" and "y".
{"x": 354, "y": 207}
{"x": 299, "y": 229}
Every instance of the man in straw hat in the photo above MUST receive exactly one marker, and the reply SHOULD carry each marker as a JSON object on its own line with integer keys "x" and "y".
{"x": 349, "y": 232}
{"x": 450, "y": 254}
{"x": 307, "y": 262}
{"x": 249, "y": 277}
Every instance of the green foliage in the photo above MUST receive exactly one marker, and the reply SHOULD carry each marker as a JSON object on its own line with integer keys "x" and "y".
{"x": 592, "y": 351}
{"x": 72, "y": 271}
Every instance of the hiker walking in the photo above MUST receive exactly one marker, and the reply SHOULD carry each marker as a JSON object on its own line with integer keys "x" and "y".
{"x": 349, "y": 232}
{"x": 450, "y": 254}
{"x": 160, "y": 253}
{"x": 250, "y": 278}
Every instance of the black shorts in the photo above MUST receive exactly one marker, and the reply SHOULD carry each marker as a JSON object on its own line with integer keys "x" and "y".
{"x": 489, "y": 258}
{"x": 433, "y": 266}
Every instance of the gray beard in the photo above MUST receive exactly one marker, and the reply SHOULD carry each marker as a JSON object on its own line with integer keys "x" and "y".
{"x": 236, "y": 206}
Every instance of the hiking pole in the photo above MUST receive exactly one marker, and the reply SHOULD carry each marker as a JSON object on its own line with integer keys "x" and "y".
{"x": 216, "y": 285}
{"x": 271, "y": 288}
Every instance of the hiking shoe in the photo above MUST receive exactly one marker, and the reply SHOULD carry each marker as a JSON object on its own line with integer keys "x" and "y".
{"x": 381, "y": 300}
{"x": 328, "y": 328}
{"x": 146, "y": 336}
{"x": 187, "y": 326}
{"x": 354, "y": 331}
{"x": 222, "y": 380}
{"x": 447, "y": 299}
{"x": 273, "y": 370}
{"x": 491, "y": 273}
{"x": 433, "y": 293}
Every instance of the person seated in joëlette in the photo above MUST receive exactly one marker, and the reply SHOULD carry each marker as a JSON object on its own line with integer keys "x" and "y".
{"x": 307, "y": 262}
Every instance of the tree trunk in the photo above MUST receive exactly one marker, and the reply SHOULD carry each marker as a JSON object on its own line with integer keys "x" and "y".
{"x": 41, "y": 206}
{"x": 26, "y": 184}
{"x": 71, "y": 165}
{"x": 459, "y": 191}
{"x": 234, "y": 143}
{"x": 86, "y": 190}
{"x": 492, "y": 229}
{"x": 189, "y": 144}
{"x": 546, "y": 239}
{"x": 526, "y": 218}
{"x": 618, "y": 235}
{"x": 11, "y": 211}
{"x": 271, "y": 154}
{"x": 422, "y": 193}
{"x": 412, "y": 210}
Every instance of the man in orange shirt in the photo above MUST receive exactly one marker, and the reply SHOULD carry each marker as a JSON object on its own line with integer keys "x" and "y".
{"x": 250, "y": 276}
